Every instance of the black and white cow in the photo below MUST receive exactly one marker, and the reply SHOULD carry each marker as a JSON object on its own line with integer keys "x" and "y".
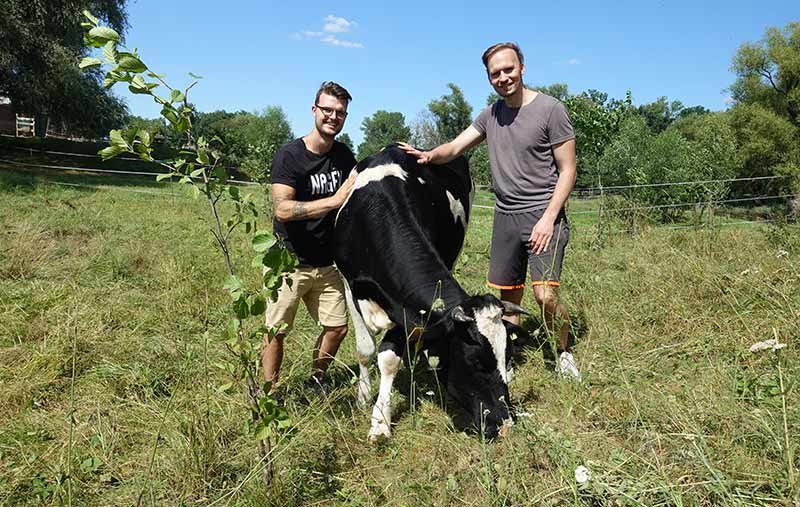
{"x": 397, "y": 238}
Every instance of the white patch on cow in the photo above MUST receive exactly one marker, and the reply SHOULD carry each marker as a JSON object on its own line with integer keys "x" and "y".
{"x": 421, "y": 180}
{"x": 378, "y": 173}
{"x": 457, "y": 209}
{"x": 490, "y": 324}
{"x": 375, "y": 317}
{"x": 371, "y": 174}
{"x": 389, "y": 365}
{"x": 365, "y": 349}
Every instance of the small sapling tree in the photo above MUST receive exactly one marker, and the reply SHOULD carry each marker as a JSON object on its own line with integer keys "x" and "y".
{"x": 198, "y": 165}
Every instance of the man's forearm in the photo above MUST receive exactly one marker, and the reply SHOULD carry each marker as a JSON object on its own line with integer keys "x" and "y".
{"x": 564, "y": 185}
{"x": 290, "y": 210}
{"x": 443, "y": 153}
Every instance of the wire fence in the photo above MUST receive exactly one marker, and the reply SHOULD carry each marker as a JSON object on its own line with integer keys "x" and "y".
{"x": 706, "y": 203}
{"x": 114, "y": 188}
{"x": 578, "y": 190}
{"x": 105, "y": 171}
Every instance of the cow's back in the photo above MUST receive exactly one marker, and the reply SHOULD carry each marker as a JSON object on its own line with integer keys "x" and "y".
{"x": 402, "y": 228}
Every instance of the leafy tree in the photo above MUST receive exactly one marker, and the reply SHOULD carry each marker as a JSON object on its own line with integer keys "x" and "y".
{"x": 380, "y": 129}
{"x": 768, "y": 146}
{"x": 249, "y": 140}
{"x": 639, "y": 158}
{"x": 423, "y": 131}
{"x": 345, "y": 139}
{"x": 687, "y": 112}
{"x": 40, "y": 42}
{"x": 660, "y": 114}
{"x": 596, "y": 121}
{"x": 451, "y": 114}
{"x": 769, "y": 72}
{"x": 265, "y": 133}
{"x": 557, "y": 90}
{"x": 713, "y": 154}
{"x": 479, "y": 165}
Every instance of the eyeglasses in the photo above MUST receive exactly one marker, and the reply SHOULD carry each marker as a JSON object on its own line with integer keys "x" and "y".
{"x": 328, "y": 111}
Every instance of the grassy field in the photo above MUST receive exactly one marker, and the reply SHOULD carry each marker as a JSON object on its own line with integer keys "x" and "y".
{"x": 111, "y": 306}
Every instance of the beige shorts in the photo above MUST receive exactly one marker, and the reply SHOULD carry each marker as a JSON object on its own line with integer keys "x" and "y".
{"x": 321, "y": 290}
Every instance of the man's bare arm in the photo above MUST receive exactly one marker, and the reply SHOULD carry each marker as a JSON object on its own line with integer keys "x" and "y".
{"x": 446, "y": 152}
{"x": 566, "y": 161}
{"x": 287, "y": 209}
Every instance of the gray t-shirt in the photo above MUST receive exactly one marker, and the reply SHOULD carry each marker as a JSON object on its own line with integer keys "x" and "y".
{"x": 521, "y": 140}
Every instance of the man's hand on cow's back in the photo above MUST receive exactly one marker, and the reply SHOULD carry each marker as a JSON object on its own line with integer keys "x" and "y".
{"x": 344, "y": 191}
{"x": 423, "y": 157}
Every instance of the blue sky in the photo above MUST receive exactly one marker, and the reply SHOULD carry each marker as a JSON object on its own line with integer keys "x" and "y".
{"x": 400, "y": 56}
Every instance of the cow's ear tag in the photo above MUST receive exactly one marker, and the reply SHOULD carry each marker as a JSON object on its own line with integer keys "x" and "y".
{"x": 458, "y": 315}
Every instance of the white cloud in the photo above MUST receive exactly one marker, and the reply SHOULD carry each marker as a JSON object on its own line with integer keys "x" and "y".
{"x": 573, "y": 61}
{"x": 332, "y": 25}
{"x": 335, "y": 24}
{"x": 333, "y": 41}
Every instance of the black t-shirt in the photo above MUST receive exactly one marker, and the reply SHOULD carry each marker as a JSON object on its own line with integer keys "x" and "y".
{"x": 313, "y": 177}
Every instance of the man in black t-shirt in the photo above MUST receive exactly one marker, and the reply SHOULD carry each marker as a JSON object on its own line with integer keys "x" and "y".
{"x": 309, "y": 180}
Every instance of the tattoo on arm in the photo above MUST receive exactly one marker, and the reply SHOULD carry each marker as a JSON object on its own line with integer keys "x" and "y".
{"x": 299, "y": 210}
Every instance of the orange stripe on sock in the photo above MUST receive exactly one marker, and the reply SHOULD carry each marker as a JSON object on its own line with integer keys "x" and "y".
{"x": 549, "y": 283}
{"x": 507, "y": 287}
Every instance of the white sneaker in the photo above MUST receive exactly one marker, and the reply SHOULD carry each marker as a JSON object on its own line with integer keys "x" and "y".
{"x": 566, "y": 367}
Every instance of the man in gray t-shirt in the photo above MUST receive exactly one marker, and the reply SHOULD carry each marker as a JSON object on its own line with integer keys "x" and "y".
{"x": 532, "y": 157}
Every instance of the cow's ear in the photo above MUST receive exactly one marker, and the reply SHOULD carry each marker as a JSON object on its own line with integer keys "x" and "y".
{"x": 517, "y": 334}
{"x": 458, "y": 315}
{"x": 513, "y": 309}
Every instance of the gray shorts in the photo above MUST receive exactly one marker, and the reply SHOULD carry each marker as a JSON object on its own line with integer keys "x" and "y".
{"x": 511, "y": 255}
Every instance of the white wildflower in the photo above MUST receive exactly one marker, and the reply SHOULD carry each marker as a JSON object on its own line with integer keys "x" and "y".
{"x": 781, "y": 254}
{"x": 582, "y": 475}
{"x": 524, "y": 414}
{"x": 771, "y": 344}
{"x": 429, "y": 393}
{"x": 745, "y": 272}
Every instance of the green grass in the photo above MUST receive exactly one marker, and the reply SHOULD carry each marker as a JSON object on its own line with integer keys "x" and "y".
{"x": 108, "y": 383}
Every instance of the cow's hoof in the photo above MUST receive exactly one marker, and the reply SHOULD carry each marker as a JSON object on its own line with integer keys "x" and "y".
{"x": 379, "y": 433}
{"x": 378, "y": 439}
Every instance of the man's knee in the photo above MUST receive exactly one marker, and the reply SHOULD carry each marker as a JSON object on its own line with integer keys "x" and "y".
{"x": 337, "y": 332}
{"x": 545, "y": 296}
{"x": 277, "y": 338}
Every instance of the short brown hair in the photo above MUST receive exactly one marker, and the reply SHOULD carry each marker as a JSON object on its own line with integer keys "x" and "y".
{"x": 503, "y": 45}
{"x": 335, "y": 90}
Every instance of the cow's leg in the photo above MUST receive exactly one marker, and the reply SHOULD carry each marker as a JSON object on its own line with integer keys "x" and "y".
{"x": 365, "y": 349}
{"x": 389, "y": 356}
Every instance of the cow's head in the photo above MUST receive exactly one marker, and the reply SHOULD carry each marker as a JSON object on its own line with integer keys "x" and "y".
{"x": 478, "y": 359}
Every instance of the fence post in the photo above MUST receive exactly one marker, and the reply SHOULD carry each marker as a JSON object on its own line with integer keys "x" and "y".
{"x": 598, "y": 240}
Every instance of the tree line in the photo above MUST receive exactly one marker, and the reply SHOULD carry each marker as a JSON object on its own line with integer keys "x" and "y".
{"x": 618, "y": 143}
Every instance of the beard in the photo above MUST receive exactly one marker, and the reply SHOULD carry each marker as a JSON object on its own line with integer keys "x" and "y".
{"x": 329, "y": 130}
